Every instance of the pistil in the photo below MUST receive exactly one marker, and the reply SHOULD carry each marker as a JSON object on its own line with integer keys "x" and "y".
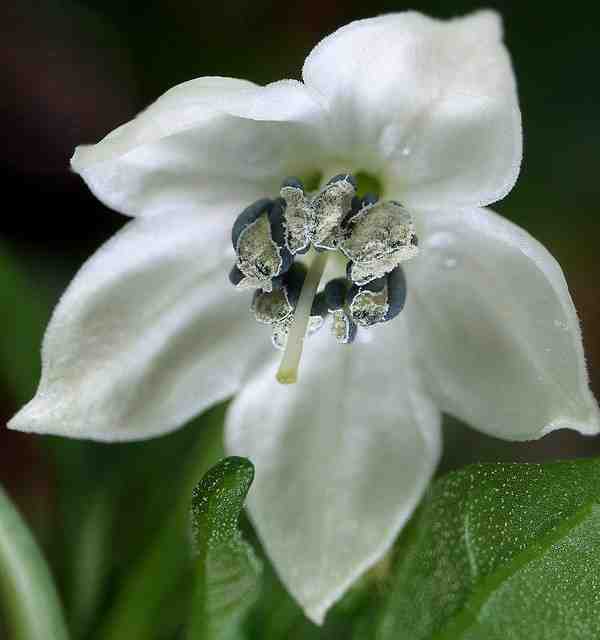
{"x": 288, "y": 369}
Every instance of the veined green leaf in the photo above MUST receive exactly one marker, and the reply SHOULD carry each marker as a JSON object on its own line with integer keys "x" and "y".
{"x": 228, "y": 571}
{"x": 27, "y": 593}
{"x": 501, "y": 551}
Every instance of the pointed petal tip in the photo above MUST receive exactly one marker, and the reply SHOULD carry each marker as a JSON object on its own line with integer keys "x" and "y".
{"x": 34, "y": 417}
{"x": 16, "y": 424}
{"x": 316, "y": 614}
{"x": 28, "y": 420}
{"x": 75, "y": 161}
{"x": 40, "y": 417}
{"x": 467, "y": 146}
{"x": 80, "y": 160}
{"x": 317, "y": 609}
{"x": 589, "y": 427}
{"x": 489, "y": 20}
{"x": 294, "y": 504}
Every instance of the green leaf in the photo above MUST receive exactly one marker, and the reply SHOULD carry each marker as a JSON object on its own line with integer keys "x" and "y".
{"x": 28, "y": 596}
{"x": 500, "y": 551}
{"x": 228, "y": 572}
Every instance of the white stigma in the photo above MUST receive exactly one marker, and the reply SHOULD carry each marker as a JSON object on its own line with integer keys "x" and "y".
{"x": 288, "y": 369}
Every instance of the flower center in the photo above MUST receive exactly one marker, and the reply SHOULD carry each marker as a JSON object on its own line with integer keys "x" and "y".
{"x": 273, "y": 238}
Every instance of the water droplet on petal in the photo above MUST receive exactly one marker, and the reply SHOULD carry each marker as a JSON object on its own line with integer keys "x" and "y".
{"x": 561, "y": 324}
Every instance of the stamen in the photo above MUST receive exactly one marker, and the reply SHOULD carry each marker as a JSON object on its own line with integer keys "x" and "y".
{"x": 288, "y": 369}
{"x": 378, "y": 238}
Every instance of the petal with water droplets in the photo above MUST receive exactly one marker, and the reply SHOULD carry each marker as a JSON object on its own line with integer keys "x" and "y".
{"x": 495, "y": 328}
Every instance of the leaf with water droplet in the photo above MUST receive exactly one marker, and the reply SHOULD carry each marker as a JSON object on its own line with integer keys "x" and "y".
{"x": 228, "y": 572}
{"x": 500, "y": 551}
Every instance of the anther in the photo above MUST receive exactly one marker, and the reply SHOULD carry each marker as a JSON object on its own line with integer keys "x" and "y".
{"x": 258, "y": 239}
{"x": 368, "y": 305}
{"x": 379, "y": 300}
{"x": 396, "y": 286}
{"x": 271, "y": 307}
{"x": 378, "y": 238}
{"x": 335, "y": 293}
{"x": 293, "y": 281}
{"x": 342, "y": 326}
{"x": 330, "y": 206}
{"x": 344, "y": 329}
{"x": 297, "y": 216}
{"x": 369, "y": 199}
{"x": 320, "y": 308}
{"x": 235, "y": 276}
{"x": 343, "y": 177}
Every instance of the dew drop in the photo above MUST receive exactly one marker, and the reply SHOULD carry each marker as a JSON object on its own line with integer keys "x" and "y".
{"x": 559, "y": 324}
{"x": 450, "y": 263}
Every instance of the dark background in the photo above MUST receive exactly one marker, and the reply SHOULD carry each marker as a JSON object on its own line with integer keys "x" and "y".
{"x": 72, "y": 71}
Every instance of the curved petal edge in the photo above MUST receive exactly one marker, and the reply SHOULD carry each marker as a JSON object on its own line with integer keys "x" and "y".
{"x": 149, "y": 333}
{"x": 497, "y": 332}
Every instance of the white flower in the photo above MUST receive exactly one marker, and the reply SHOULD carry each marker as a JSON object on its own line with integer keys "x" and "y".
{"x": 150, "y": 333}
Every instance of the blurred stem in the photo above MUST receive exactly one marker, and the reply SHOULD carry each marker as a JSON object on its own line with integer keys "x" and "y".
{"x": 137, "y": 609}
{"x": 89, "y": 568}
{"x": 29, "y": 597}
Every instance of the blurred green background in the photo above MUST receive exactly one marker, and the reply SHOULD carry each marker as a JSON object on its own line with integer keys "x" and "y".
{"x": 73, "y": 71}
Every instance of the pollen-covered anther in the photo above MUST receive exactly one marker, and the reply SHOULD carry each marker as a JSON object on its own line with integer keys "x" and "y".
{"x": 271, "y": 307}
{"x": 298, "y": 216}
{"x": 378, "y": 238}
{"x": 331, "y": 206}
{"x": 343, "y": 328}
{"x": 368, "y": 305}
{"x": 379, "y": 300}
{"x": 259, "y": 243}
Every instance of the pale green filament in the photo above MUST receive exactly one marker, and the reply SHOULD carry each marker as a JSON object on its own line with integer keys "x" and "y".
{"x": 288, "y": 369}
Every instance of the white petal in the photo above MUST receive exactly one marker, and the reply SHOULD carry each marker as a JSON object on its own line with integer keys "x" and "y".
{"x": 431, "y": 105}
{"x": 342, "y": 458}
{"x": 149, "y": 333}
{"x": 201, "y": 142}
{"x": 495, "y": 325}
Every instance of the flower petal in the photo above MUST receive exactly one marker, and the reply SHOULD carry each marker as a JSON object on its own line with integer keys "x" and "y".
{"x": 149, "y": 333}
{"x": 341, "y": 458}
{"x": 429, "y": 104}
{"x": 203, "y": 141}
{"x": 495, "y": 325}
